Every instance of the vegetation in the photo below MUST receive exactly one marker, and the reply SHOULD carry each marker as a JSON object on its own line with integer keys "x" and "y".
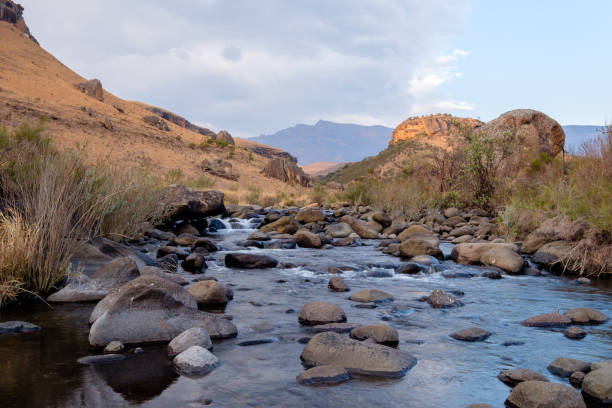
{"x": 51, "y": 201}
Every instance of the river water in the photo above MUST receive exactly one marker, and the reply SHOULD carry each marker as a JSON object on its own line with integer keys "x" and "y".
{"x": 40, "y": 370}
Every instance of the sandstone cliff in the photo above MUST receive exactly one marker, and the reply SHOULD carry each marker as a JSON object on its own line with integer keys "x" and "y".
{"x": 12, "y": 13}
{"x": 431, "y": 129}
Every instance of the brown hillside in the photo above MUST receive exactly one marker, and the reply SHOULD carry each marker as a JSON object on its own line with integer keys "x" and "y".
{"x": 321, "y": 168}
{"x": 34, "y": 85}
{"x": 432, "y": 129}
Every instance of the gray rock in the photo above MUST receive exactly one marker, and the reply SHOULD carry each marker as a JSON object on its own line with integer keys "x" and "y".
{"x": 564, "y": 367}
{"x": 150, "y": 309}
{"x": 371, "y": 295}
{"x": 356, "y": 357}
{"x": 547, "y": 320}
{"x": 325, "y": 374}
{"x": 210, "y": 293}
{"x": 316, "y": 313}
{"x": 160, "y": 273}
{"x": 195, "y": 361}
{"x": 249, "y": 261}
{"x": 16, "y": 326}
{"x": 101, "y": 359}
{"x": 196, "y": 336}
{"x": 541, "y": 394}
{"x": 471, "y": 334}
{"x": 597, "y": 386}
{"x": 337, "y": 284}
{"x": 334, "y": 327}
{"x": 339, "y": 230}
{"x": 87, "y": 288}
{"x": 552, "y": 254}
{"x": 439, "y": 299}
{"x": 519, "y": 375}
{"x": 381, "y": 333}
{"x": 114, "y": 347}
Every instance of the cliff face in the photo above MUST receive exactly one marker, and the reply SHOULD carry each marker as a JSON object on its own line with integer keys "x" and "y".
{"x": 13, "y": 13}
{"x": 432, "y": 127}
{"x": 287, "y": 171}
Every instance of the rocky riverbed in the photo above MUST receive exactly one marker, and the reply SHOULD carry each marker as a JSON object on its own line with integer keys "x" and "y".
{"x": 435, "y": 327}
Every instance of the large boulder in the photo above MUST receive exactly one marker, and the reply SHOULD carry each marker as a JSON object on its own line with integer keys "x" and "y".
{"x": 542, "y": 394}
{"x": 92, "y": 287}
{"x": 413, "y": 230}
{"x": 381, "y": 333}
{"x": 361, "y": 228}
{"x": 308, "y": 215}
{"x": 306, "y": 239}
{"x": 585, "y": 315}
{"x": 210, "y": 293}
{"x": 339, "y": 230}
{"x": 356, "y": 357}
{"x": 92, "y": 88}
{"x": 249, "y": 261}
{"x": 316, "y": 313}
{"x": 151, "y": 309}
{"x": 420, "y": 244}
{"x": 284, "y": 225}
{"x": 597, "y": 386}
{"x": 287, "y": 171}
{"x": 225, "y": 137}
{"x": 185, "y": 203}
{"x": 503, "y": 256}
{"x": 538, "y": 131}
{"x": 553, "y": 254}
{"x": 553, "y": 229}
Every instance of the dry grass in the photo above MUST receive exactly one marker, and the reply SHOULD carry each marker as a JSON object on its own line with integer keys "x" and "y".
{"x": 51, "y": 201}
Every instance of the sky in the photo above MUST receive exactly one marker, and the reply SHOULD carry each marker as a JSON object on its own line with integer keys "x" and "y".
{"x": 255, "y": 67}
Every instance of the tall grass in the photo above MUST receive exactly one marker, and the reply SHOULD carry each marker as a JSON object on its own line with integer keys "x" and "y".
{"x": 51, "y": 202}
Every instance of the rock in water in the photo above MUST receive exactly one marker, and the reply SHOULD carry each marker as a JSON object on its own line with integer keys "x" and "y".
{"x": 575, "y": 333}
{"x": 439, "y": 299}
{"x": 471, "y": 334}
{"x": 585, "y": 315}
{"x": 337, "y": 284}
{"x": 356, "y": 357}
{"x": 210, "y": 293}
{"x": 250, "y": 261}
{"x": 13, "y": 327}
{"x": 540, "y": 394}
{"x": 150, "y": 309}
{"x": 306, "y": 239}
{"x": 114, "y": 347}
{"x": 519, "y": 375}
{"x": 185, "y": 203}
{"x": 371, "y": 295}
{"x": 196, "y": 336}
{"x": 380, "y": 333}
{"x": 101, "y": 359}
{"x": 195, "y": 361}
{"x": 315, "y": 313}
{"x": 325, "y": 374}
{"x": 564, "y": 367}
{"x": 503, "y": 256}
{"x": 308, "y": 215}
{"x": 547, "y": 320}
{"x": 597, "y": 386}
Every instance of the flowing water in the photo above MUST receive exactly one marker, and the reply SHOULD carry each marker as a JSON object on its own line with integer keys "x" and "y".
{"x": 40, "y": 370}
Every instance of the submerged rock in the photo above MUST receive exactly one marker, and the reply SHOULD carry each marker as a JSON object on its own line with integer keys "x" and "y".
{"x": 101, "y": 359}
{"x": 547, "y": 320}
{"x": 519, "y": 375}
{"x": 334, "y": 327}
{"x": 325, "y": 374}
{"x": 356, "y": 357}
{"x": 16, "y": 326}
{"x": 439, "y": 299}
{"x": 371, "y": 295}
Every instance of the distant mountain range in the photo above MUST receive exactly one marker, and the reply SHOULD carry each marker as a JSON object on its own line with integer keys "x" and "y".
{"x": 329, "y": 141}
{"x": 345, "y": 142}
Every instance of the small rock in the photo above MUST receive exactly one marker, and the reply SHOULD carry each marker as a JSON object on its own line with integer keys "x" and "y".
{"x": 471, "y": 334}
{"x": 575, "y": 333}
{"x": 564, "y": 367}
{"x": 315, "y": 313}
{"x": 195, "y": 360}
{"x": 541, "y": 394}
{"x": 439, "y": 299}
{"x": 114, "y": 347}
{"x": 325, "y": 374}
{"x": 371, "y": 295}
{"x": 577, "y": 378}
{"x": 380, "y": 333}
{"x": 337, "y": 284}
{"x": 518, "y": 375}
{"x": 196, "y": 336}
{"x": 410, "y": 268}
{"x": 138, "y": 350}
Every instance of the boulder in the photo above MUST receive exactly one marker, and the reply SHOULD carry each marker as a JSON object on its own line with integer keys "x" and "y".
{"x": 338, "y": 230}
{"x": 413, "y": 230}
{"x": 308, "y": 215}
{"x": 92, "y": 88}
{"x": 185, "y": 203}
{"x": 519, "y": 375}
{"x": 361, "y": 228}
{"x": 503, "y": 256}
{"x": 371, "y": 295}
{"x": 575, "y": 333}
{"x": 337, "y": 284}
{"x": 547, "y": 320}
{"x": 356, "y": 357}
{"x": 159, "y": 272}
{"x": 156, "y": 122}
{"x": 87, "y": 288}
{"x": 181, "y": 253}
{"x": 598, "y": 365}
{"x": 564, "y": 367}
{"x": 542, "y": 394}
{"x": 225, "y": 137}
{"x": 451, "y": 212}
{"x": 410, "y": 268}
{"x": 439, "y": 299}
{"x": 420, "y": 244}
{"x": 538, "y": 131}
{"x": 210, "y": 293}
{"x": 381, "y": 333}
{"x": 316, "y": 313}
{"x": 471, "y": 334}
{"x": 554, "y": 229}
{"x": 16, "y": 326}
{"x": 195, "y": 361}
{"x": 206, "y": 244}
{"x": 284, "y": 225}
{"x": 194, "y": 263}
{"x": 585, "y": 315}
{"x": 249, "y": 261}
{"x": 597, "y": 386}
{"x": 196, "y": 336}
{"x": 306, "y": 239}
{"x": 325, "y": 374}
{"x": 151, "y": 309}
{"x": 381, "y": 218}
{"x": 552, "y": 254}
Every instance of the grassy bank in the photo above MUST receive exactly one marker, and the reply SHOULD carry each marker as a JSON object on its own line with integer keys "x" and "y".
{"x": 51, "y": 201}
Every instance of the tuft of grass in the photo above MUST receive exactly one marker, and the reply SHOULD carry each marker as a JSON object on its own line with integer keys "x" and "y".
{"x": 51, "y": 202}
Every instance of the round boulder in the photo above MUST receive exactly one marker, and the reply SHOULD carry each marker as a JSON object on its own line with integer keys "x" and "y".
{"x": 306, "y": 239}
{"x": 315, "y": 313}
{"x": 380, "y": 333}
{"x": 519, "y": 375}
{"x": 210, "y": 293}
{"x": 196, "y": 336}
{"x": 597, "y": 386}
{"x": 195, "y": 361}
{"x": 532, "y": 394}
{"x": 585, "y": 315}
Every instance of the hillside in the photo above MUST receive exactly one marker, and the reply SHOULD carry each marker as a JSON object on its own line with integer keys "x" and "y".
{"x": 35, "y": 86}
{"x": 321, "y": 168}
{"x": 329, "y": 141}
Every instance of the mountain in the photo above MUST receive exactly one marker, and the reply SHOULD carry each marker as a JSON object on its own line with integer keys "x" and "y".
{"x": 329, "y": 141}
{"x": 35, "y": 86}
{"x": 576, "y": 135}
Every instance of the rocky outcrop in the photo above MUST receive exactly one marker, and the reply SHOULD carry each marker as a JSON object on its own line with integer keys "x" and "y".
{"x": 13, "y": 13}
{"x": 218, "y": 168}
{"x": 156, "y": 122}
{"x": 181, "y": 121}
{"x": 225, "y": 137}
{"x": 431, "y": 127}
{"x": 538, "y": 130}
{"x": 287, "y": 171}
{"x": 92, "y": 88}
{"x": 271, "y": 153}
{"x": 184, "y": 203}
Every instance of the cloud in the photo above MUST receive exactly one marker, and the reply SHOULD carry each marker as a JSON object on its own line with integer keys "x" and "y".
{"x": 256, "y": 67}
{"x": 442, "y": 106}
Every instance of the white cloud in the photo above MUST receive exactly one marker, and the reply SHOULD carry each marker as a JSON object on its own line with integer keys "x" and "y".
{"x": 442, "y": 107}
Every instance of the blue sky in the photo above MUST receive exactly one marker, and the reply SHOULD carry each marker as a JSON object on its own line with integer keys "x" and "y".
{"x": 257, "y": 67}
